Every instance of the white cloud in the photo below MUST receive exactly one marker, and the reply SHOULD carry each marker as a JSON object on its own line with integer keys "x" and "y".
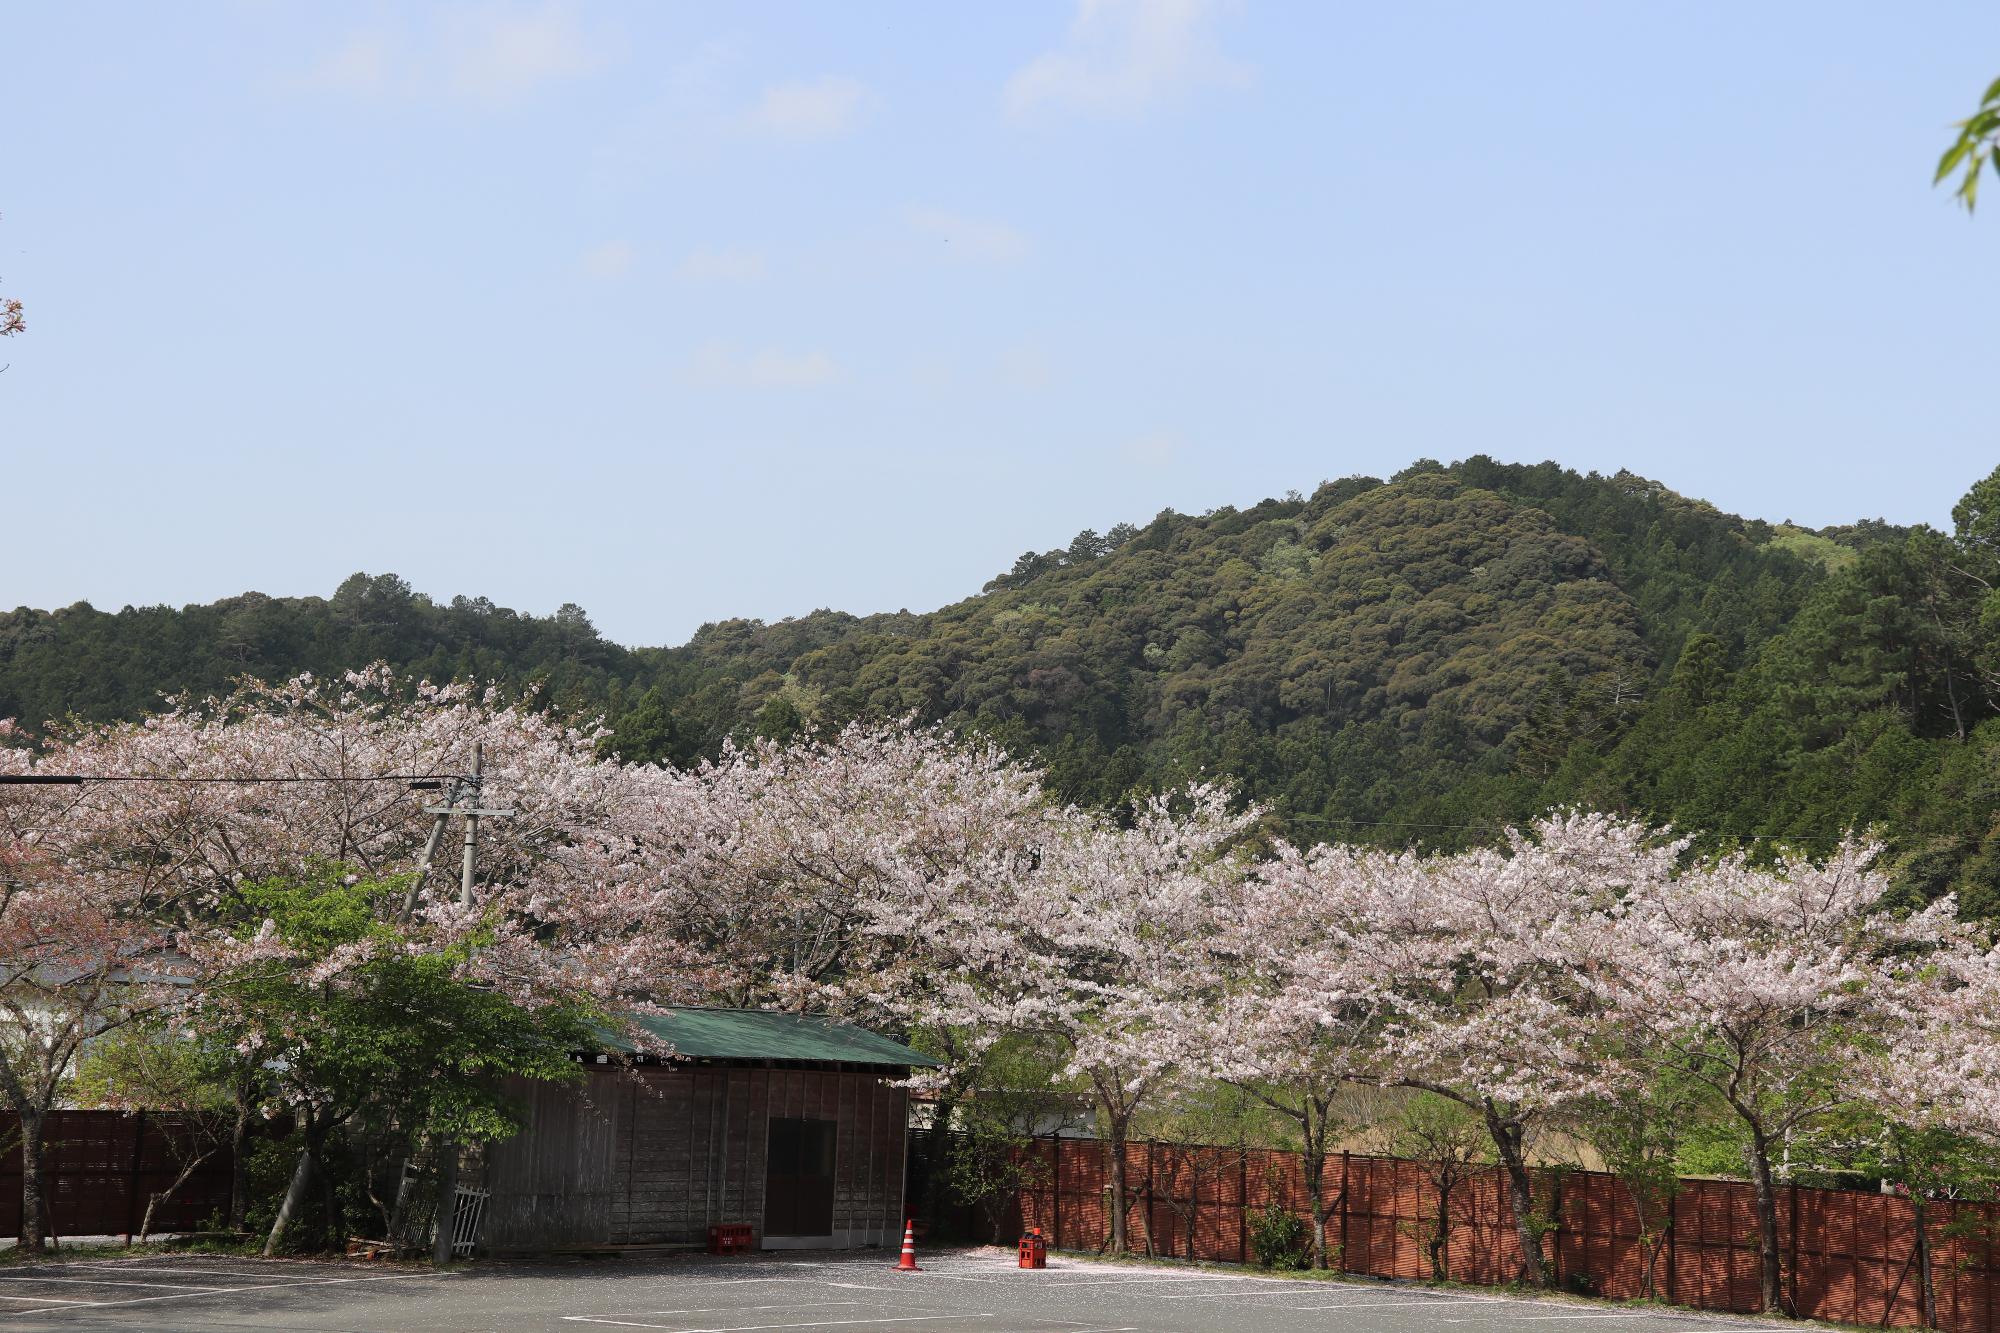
{"x": 487, "y": 57}
{"x": 1159, "y": 449}
{"x": 720, "y": 366}
{"x": 1122, "y": 56}
{"x": 363, "y": 66}
{"x": 496, "y": 56}
{"x": 610, "y": 259}
{"x": 1026, "y": 366}
{"x": 970, "y": 238}
{"x": 822, "y": 108}
{"x": 725, "y": 265}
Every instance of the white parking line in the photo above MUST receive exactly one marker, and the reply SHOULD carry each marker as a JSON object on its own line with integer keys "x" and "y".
{"x": 1385, "y": 1305}
{"x": 757, "y": 1328}
{"x": 1182, "y": 1279}
{"x": 109, "y": 1282}
{"x": 210, "y": 1291}
{"x": 739, "y": 1281}
{"x": 742, "y": 1309}
{"x": 203, "y": 1272}
{"x": 1607, "y": 1314}
{"x": 43, "y": 1299}
{"x": 1301, "y": 1289}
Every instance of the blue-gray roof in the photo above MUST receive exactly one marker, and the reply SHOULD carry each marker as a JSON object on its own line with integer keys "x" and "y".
{"x": 764, "y": 1034}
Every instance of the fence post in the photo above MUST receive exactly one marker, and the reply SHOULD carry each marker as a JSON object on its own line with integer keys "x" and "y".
{"x": 1556, "y": 1183}
{"x": 1055, "y": 1187}
{"x": 132, "y": 1176}
{"x": 1346, "y": 1188}
{"x": 1673, "y": 1209}
{"x": 1152, "y": 1153}
{"x": 1243, "y": 1208}
{"x": 1792, "y": 1266}
{"x": 1986, "y": 1283}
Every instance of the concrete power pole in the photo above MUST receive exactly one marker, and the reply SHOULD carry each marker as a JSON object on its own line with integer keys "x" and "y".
{"x": 474, "y": 784}
{"x": 464, "y": 801}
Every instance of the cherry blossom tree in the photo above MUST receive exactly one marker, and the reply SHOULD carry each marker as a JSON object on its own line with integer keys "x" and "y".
{"x": 574, "y": 900}
{"x": 75, "y": 963}
{"x": 570, "y": 886}
{"x": 1506, "y": 972}
{"x": 152, "y": 1067}
{"x": 846, "y": 872}
{"x": 13, "y": 318}
{"x": 1771, "y": 986}
{"x": 1298, "y": 1010}
{"x": 83, "y": 950}
{"x": 1101, "y": 955}
{"x": 896, "y": 873}
{"x": 1943, "y": 1073}
{"x": 1934, "y": 1076}
{"x": 863, "y": 874}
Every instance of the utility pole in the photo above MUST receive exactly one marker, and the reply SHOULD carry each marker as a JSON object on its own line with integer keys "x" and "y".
{"x": 464, "y": 801}
{"x": 473, "y": 784}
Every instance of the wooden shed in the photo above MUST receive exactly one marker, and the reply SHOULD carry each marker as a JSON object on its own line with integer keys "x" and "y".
{"x": 787, "y": 1123}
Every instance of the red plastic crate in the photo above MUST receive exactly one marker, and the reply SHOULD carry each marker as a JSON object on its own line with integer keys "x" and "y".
{"x": 730, "y": 1238}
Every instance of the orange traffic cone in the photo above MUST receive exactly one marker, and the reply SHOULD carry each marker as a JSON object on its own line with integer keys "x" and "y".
{"x": 908, "y": 1263}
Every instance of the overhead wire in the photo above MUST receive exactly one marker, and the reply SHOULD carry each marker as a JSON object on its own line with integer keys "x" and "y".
{"x": 77, "y": 779}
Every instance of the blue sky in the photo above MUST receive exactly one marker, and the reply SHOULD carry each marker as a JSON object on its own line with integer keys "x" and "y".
{"x": 689, "y": 311}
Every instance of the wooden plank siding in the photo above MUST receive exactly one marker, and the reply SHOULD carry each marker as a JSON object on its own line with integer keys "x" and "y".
{"x": 653, "y": 1157}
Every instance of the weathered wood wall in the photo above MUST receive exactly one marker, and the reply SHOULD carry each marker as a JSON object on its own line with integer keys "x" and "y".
{"x": 655, "y": 1157}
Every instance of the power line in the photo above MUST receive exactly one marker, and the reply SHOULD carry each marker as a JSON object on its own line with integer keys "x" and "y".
{"x": 420, "y": 781}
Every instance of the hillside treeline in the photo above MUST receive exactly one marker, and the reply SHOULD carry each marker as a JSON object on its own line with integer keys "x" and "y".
{"x": 1406, "y": 661}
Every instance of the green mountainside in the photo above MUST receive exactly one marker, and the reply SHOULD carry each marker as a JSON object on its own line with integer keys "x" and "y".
{"x": 1414, "y": 660}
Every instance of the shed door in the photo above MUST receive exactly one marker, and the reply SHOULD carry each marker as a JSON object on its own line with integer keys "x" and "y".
{"x": 798, "y": 1191}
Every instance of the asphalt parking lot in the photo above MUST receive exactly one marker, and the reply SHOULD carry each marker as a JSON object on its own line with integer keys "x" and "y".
{"x": 963, "y": 1292}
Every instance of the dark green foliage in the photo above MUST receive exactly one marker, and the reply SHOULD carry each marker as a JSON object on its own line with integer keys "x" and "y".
{"x": 103, "y": 666}
{"x": 403, "y": 1036}
{"x": 1395, "y": 662}
{"x": 1278, "y": 1238}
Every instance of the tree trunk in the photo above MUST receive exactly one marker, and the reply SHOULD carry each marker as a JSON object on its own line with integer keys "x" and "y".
{"x": 1507, "y": 1141}
{"x": 1316, "y": 1194}
{"x": 1440, "y": 1246}
{"x": 1767, "y": 1220}
{"x": 1313, "y": 1140}
{"x": 295, "y": 1199}
{"x": 1650, "y": 1242}
{"x": 1928, "y": 1289}
{"x": 239, "y": 1162}
{"x": 1118, "y": 1124}
{"x": 158, "y": 1197}
{"x": 34, "y": 1183}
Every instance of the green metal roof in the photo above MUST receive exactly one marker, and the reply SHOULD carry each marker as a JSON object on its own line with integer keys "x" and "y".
{"x": 764, "y": 1034}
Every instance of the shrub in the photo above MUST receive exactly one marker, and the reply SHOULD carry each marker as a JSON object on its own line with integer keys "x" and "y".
{"x": 1278, "y": 1238}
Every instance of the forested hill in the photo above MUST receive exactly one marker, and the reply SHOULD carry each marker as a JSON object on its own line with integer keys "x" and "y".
{"x": 1410, "y": 660}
